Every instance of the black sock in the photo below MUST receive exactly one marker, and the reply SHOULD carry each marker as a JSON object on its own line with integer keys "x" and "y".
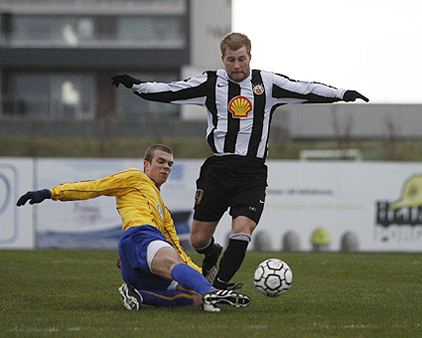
{"x": 231, "y": 260}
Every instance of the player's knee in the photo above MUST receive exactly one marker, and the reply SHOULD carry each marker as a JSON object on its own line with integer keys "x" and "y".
{"x": 243, "y": 224}
{"x": 201, "y": 234}
{"x": 198, "y": 241}
{"x": 164, "y": 261}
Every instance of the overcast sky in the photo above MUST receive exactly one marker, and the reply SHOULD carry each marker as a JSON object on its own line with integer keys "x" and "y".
{"x": 373, "y": 46}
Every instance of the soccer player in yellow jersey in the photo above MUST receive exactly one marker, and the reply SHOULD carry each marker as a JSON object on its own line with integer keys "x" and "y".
{"x": 240, "y": 103}
{"x": 154, "y": 266}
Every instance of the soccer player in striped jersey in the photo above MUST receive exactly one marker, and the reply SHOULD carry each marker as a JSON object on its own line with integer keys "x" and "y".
{"x": 240, "y": 103}
{"x": 156, "y": 269}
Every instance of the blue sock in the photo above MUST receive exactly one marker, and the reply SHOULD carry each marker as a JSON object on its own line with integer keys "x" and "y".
{"x": 190, "y": 279}
{"x": 167, "y": 298}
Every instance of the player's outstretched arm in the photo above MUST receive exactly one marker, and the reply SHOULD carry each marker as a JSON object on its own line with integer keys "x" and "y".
{"x": 352, "y": 95}
{"x": 34, "y": 197}
{"x": 127, "y": 80}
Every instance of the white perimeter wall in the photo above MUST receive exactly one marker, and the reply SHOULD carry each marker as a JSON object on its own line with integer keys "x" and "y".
{"x": 301, "y": 197}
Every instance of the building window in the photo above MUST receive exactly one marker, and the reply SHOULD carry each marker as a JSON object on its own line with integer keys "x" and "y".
{"x": 92, "y": 31}
{"x": 152, "y": 31}
{"x": 54, "y": 96}
{"x": 130, "y": 106}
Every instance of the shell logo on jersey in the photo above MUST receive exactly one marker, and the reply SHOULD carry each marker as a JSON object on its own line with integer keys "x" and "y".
{"x": 240, "y": 106}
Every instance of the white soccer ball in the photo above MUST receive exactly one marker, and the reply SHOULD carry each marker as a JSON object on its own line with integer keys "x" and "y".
{"x": 273, "y": 277}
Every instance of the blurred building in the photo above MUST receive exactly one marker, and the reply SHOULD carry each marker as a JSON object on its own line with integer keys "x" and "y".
{"x": 57, "y": 56}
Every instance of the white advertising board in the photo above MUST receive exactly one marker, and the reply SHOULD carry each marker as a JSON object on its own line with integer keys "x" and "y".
{"x": 16, "y": 224}
{"x": 96, "y": 223}
{"x": 379, "y": 202}
{"x": 346, "y": 197}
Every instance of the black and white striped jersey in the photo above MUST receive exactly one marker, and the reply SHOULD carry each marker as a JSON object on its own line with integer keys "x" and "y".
{"x": 239, "y": 113}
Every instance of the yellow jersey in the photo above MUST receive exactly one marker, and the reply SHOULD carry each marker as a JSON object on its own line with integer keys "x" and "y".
{"x": 138, "y": 201}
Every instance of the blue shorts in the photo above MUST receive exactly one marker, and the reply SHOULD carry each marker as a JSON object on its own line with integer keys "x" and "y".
{"x": 132, "y": 247}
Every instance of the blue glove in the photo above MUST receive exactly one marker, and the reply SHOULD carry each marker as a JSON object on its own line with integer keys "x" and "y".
{"x": 34, "y": 197}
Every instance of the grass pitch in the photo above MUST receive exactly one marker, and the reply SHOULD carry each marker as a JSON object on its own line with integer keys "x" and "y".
{"x": 64, "y": 293}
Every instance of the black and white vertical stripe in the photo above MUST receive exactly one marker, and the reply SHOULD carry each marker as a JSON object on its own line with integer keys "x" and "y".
{"x": 245, "y": 136}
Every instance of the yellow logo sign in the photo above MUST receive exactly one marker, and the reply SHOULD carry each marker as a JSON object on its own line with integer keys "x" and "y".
{"x": 411, "y": 194}
{"x": 240, "y": 106}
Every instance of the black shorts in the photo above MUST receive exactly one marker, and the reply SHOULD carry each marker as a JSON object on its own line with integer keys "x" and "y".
{"x": 233, "y": 182}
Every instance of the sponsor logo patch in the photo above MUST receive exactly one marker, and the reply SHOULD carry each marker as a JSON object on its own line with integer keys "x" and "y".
{"x": 198, "y": 196}
{"x": 240, "y": 106}
{"x": 258, "y": 89}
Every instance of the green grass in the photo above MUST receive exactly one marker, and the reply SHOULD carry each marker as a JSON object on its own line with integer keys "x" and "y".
{"x": 64, "y": 293}
{"x": 372, "y": 150}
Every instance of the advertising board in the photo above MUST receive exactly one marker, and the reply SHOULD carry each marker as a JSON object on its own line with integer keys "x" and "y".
{"x": 379, "y": 203}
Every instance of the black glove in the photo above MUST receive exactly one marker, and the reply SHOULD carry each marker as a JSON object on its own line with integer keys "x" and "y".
{"x": 352, "y": 95}
{"x": 127, "y": 80}
{"x": 34, "y": 197}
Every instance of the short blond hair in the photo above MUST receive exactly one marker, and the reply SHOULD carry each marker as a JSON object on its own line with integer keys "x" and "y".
{"x": 234, "y": 41}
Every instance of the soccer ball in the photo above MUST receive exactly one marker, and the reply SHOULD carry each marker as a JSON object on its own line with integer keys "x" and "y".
{"x": 273, "y": 277}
